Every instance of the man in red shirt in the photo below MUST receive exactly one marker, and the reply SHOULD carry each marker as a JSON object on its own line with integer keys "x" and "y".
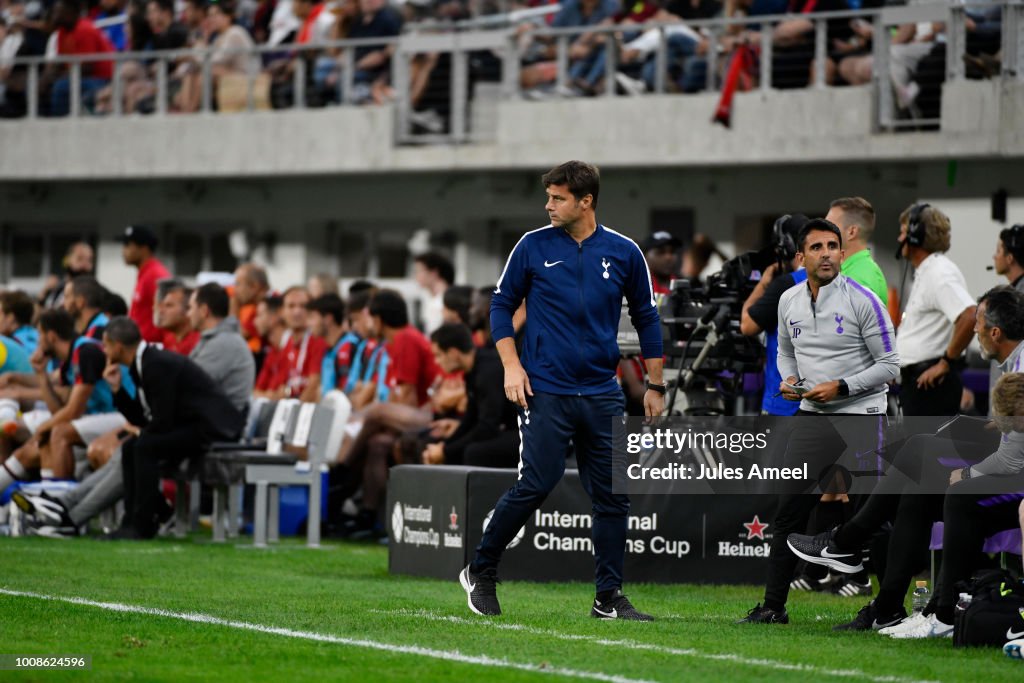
{"x": 78, "y": 36}
{"x": 139, "y": 245}
{"x": 271, "y": 329}
{"x": 412, "y": 369}
{"x": 172, "y": 316}
{"x": 296, "y": 371}
{"x": 661, "y": 250}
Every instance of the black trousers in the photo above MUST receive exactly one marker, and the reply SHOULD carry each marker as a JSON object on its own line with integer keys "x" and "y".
{"x": 971, "y": 513}
{"x": 141, "y": 461}
{"x": 815, "y": 440}
{"x": 942, "y": 400}
{"x": 910, "y": 497}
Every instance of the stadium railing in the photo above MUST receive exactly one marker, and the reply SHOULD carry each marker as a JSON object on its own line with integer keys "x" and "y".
{"x": 466, "y": 96}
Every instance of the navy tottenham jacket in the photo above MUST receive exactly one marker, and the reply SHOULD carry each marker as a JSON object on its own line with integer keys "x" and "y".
{"x": 573, "y": 295}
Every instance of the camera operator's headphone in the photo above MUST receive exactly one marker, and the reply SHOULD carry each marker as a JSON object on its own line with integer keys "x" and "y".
{"x": 915, "y": 228}
{"x": 785, "y": 245}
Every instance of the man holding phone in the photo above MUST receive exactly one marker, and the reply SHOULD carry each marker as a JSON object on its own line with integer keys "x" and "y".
{"x": 837, "y": 354}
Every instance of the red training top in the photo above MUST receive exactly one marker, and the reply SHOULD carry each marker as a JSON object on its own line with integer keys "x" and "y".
{"x": 412, "y": 362}
{"x": 86, "y": 39}
{"x": 150, "y": 272}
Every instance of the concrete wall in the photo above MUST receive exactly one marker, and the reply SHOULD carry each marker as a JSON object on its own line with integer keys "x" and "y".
{"x": 484, "y": 211}
{"x": 981, "y": 120}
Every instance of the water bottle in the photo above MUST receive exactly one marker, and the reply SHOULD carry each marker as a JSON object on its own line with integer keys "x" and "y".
{"x": 8, "y": 416}
{"x": 921, "y": 597}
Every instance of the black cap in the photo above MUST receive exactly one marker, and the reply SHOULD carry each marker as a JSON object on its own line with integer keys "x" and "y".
{"x": 660, "y": 239}
{"x": 793, "y": 224}
{"x": 141, "y": 235}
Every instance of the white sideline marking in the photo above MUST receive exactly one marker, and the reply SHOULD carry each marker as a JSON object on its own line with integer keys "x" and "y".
{"x": 635, "y": 645}
{"x": 447, "y": 655}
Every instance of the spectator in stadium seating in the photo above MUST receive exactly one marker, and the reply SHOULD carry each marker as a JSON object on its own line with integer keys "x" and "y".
{"x": 434, "y": 273}
{"x": 178, "y": 410}
{"x": 905, "y": 495}
{"x": 26, "y": 36}
{"x": 296, "y": 370}
{"x": 328, "y": 320}
{"x": 251, "y": 287}
{"x": 793, "y": 41}
{"x": 271, "y": 329}
{"x": 165, "y": 33}
{"x": 140, "y": 244}
{"x": 81, "y": 371}
{"x": 76, "y": 36}
{"x": 856, "y": 219}
{"x": 661, "y": 250}
{"x": 541, "y": 68}
{"x": 320, "y": 284}
{"x": 457, "y": 300}
{"x": 117, "y": 32}
{"x": 77, "y": 261}
{"x": 230, "y": 46}
{"x": 17, "y": 310}
{"x": 938, "y": 318}
{"x": 221, "y": 351}
{"x": 84, "y": 298}
{"x": 329, "y": 65}
{"x": 685, "y": 48}
{"x": 193, "y": 17}
{"x": 172, "y": 298}
{"x": 376, "y": 20}
{"x": 487, "y": 435}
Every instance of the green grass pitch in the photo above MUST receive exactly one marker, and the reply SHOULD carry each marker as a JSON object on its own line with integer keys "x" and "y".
{"x": 232, "y": 613}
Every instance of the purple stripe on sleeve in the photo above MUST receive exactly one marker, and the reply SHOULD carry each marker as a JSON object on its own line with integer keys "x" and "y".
{"x": 877, "y": 305}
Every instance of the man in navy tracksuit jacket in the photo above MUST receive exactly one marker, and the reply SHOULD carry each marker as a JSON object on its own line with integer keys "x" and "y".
{"x": 573, "y": 275}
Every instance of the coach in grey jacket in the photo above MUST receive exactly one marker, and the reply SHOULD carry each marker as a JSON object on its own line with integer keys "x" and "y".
{"x": 836, "y": 337}
{"x": 221, "y": 351}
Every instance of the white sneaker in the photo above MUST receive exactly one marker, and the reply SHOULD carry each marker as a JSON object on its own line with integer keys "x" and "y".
{"x": 1015, "y": 649}
{"x": 931, "y": 627}
{"x": 907, "y": 624}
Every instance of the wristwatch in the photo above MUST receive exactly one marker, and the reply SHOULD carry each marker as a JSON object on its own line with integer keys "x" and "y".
{"x": 844, "y": 388}
{"x": 660, "y": 388}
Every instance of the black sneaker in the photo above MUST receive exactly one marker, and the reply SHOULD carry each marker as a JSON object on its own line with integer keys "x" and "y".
{"x": 123, "y": 533}
{"x": 480, "y": 591}
{"x": 867, "y": 619}
{"x": 764, "y": 615}
{"x": 618, "y": 607}
{"x": 44, "y": 510}
{"x": 822, "y": 550}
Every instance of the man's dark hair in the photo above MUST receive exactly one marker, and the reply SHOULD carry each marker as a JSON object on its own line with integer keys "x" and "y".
{"x": 389, "y": 306}
{"x": 453, "y": 336}
{"x": 20, "y": 304}
{"x": 817, "y": 225}
{"x": 90, "y": 289}
{"x": 172, "y": 284}
{"x": 164, "y": 5}
{"x": 114, "y": 305}
{"x": 73, "y": 5}
{"x": 123, "y": 330}
{"x": 581, "y": 178}
{"x": 458, "y": 299}
{"x": 1004, "y": 308}
{"x": 329, "y": 304}
{"x": 215, "y": 298}
{"x": 1013, "y": 242}
{"x": 358, "y": 301}
{"x": 274, "y": 302}
{"x": 360, "y": 286}
{"x": 59, "y": 321}
{"x": 439, "y": 263}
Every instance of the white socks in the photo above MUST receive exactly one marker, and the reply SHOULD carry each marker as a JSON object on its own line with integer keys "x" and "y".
{"x": 10, "y": 472}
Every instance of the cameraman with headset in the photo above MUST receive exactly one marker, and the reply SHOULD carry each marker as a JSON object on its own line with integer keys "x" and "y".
{"x": 761, "y": 309}
{"x": 938, "y": 321}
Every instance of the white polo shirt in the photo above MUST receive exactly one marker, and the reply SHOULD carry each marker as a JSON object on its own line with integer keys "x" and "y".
{"x": 937, "y": 299}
